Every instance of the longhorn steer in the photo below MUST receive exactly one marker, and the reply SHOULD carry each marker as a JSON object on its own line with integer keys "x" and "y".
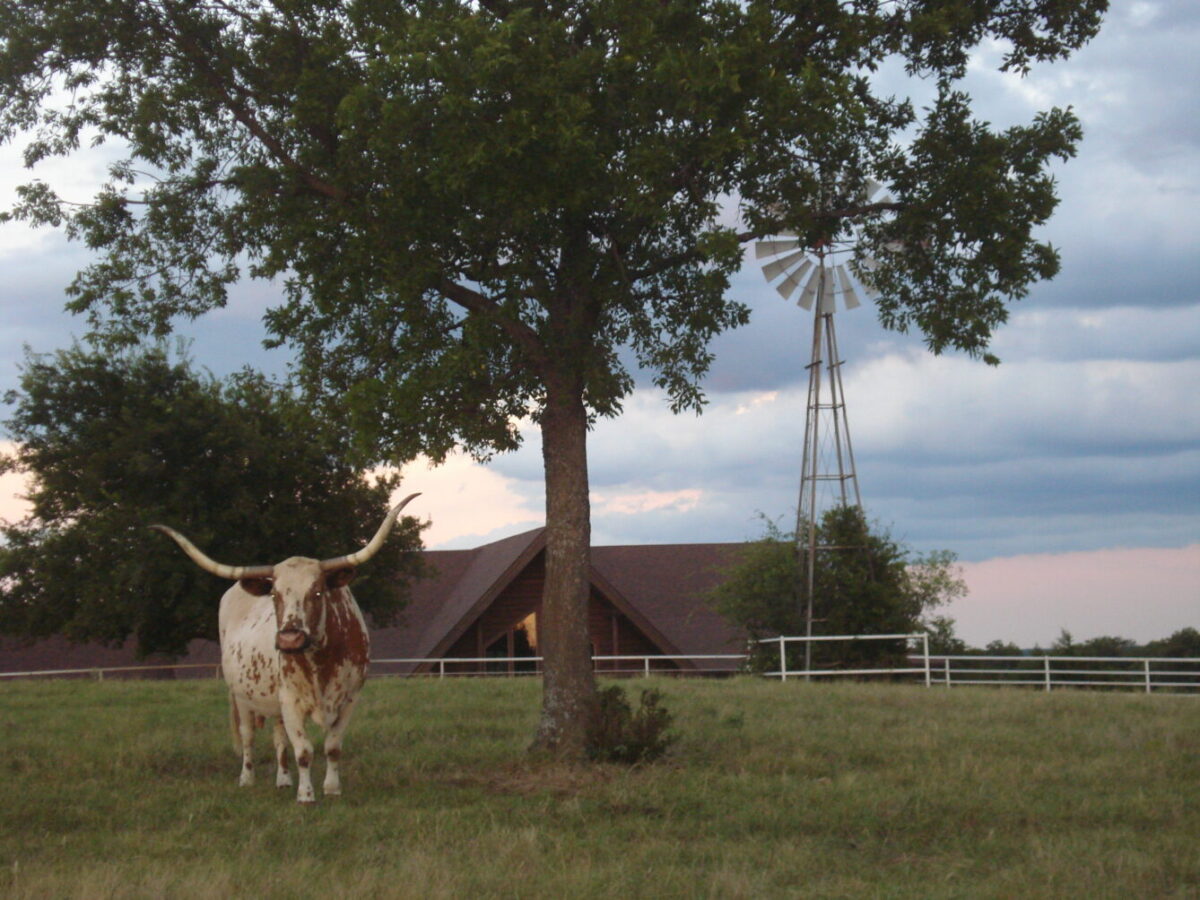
{"x": 293, "y": 646}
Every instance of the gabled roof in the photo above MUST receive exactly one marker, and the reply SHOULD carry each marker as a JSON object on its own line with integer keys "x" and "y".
{"x": 659, "y": 587}
{"x": 464, "y": 584}
{"x": 668, "y": 584}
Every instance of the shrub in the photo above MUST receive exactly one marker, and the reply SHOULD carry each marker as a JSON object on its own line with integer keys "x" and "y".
{"x": 621, "y": 735}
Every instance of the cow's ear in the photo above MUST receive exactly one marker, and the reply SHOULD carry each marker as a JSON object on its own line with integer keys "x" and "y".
{"x": 339, "y": 578}
{"x": 259, "y": 587}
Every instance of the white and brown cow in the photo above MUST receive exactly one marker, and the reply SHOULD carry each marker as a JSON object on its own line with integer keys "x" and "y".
{"x": 293, "y": 647}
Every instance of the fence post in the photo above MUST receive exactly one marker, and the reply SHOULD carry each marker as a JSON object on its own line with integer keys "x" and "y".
{"x": 782, "y": 659}
{"x": 1046, "y": 664}
{"x": 1146, "y": 664}
{"x": 928, "y": 674}
{"x": 946, "y": 670}
{"x": 441, "y": 668}
{"x": 647, "y": 669}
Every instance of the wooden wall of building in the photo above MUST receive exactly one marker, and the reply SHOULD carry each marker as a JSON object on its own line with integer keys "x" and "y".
{"x": 612, "y": 634}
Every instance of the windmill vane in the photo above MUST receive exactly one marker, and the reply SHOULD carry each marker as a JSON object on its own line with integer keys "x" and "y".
{"x": 810, "y": 275}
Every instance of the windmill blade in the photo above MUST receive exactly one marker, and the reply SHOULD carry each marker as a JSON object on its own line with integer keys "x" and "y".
{"x": 795, "y": 281}
{"x": 863, "y": 268}
{"x": 774, "y": 248}
{"x": 773, "y": 270}
{"x": 826, "y": 295}
{"x": 810, "y": 292}
{"x": 871, "y": 188}
{"x": 849, "y": 296}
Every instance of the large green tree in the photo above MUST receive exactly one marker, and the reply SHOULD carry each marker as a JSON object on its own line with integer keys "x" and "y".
{"x": 486, "y": 210}
{"x": 113, "y": 443}
{"x": 870, "y": 584}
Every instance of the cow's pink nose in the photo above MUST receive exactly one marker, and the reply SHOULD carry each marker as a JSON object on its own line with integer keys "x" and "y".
{"x": 291, "y": 640}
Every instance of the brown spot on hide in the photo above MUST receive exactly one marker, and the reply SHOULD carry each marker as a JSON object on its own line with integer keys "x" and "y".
{"x": 303, "y": 760}
{"x": 297, "y": 664}
{"x": 346, "y": 640}
{"x": 334, "y": 755}
{"x": 283, "y": 762}
{"x": 249, "y": 765}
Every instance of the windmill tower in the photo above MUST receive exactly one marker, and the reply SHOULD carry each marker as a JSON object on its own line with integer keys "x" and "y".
{"x": 818, "y": 277}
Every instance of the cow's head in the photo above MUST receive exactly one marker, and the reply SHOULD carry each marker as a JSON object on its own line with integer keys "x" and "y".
{"x": 298, "y": 587}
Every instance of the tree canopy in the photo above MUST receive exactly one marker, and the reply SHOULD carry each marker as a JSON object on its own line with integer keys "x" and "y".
{"x": 112, "y": 444}
{"x": 485, "y": 210}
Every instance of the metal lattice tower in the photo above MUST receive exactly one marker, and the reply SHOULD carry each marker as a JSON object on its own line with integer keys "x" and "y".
{"x": 828, "y": 477}
{"x": 818, "y": 277}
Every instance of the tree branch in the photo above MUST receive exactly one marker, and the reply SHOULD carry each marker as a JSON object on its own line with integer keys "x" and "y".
{"x": 233, "y": 98}
{"x": 478, "y": 304}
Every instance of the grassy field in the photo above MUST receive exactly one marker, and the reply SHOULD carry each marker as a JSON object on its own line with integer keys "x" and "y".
{"x": 129, "y": 790}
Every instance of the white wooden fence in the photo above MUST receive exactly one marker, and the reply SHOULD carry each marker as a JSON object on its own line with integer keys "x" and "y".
{"x": 98, "y": 672}
{"x": 1147, "y": 674}
{"x": 644, "y": 665}
{"x": 921, "y": 663}
{"x": 1179, "y": 674}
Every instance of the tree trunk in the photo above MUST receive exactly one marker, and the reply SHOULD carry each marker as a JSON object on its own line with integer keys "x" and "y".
{"x": 569, "y": 688}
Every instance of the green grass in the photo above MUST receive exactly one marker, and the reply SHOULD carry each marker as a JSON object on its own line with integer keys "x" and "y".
{"x": 129, "y": 790}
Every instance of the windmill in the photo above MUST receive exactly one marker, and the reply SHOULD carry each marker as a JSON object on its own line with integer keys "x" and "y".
{"x": 818, "y": 278}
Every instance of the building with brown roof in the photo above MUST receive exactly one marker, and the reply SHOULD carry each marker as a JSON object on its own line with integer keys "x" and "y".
{"x": 483, "y": 604}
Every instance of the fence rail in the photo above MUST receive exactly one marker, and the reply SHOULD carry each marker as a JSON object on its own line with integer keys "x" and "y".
{"x": 784, "y": 673}
{"x": 1144, "y": 673}
{"x": 98, "y": 672}
{"x": 642, "y": 664}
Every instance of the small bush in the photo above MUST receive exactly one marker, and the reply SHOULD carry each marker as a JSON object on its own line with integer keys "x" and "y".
{"x": 621, "y": 735}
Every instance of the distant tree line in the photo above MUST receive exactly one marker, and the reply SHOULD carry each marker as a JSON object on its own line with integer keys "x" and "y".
{"x": 1184, "y": 643}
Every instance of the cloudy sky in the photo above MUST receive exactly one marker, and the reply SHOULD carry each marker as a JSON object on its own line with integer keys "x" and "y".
{"x": 1067, "y": 479}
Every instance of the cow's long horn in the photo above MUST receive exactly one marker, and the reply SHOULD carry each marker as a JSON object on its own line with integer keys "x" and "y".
{"x": 210, "y": 565}
{"x": 357, "y": 559}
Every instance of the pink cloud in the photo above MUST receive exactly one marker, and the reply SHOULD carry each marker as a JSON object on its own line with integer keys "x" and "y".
{"x": 13, "y": 487}
{"x": 1143, "y": 594}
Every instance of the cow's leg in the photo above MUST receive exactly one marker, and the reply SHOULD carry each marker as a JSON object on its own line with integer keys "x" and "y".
{"x": 333, "y": 749}
{"x": 283, "y": 778}
{"x": 243, "y": 721}
{"x": 293, "y": 722}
